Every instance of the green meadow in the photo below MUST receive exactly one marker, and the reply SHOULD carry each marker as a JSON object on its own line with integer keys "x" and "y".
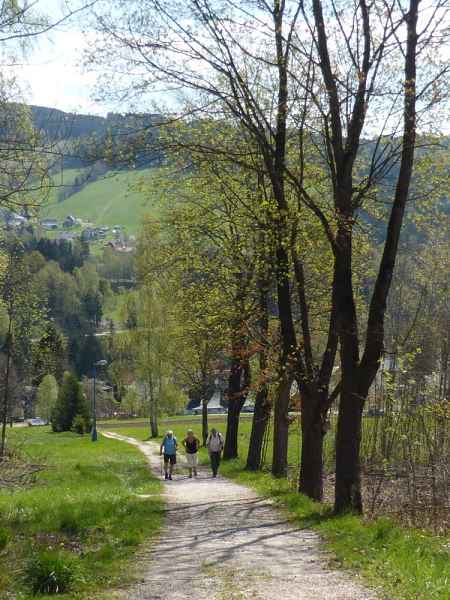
{"x": 76, "y": 528}
{"x": 114, "y": 199}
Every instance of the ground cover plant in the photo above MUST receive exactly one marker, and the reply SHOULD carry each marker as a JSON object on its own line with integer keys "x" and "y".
{"x": 77, "y": 526}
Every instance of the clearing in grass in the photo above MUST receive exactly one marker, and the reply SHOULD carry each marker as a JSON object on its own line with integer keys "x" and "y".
{"x": 111, "y": 200}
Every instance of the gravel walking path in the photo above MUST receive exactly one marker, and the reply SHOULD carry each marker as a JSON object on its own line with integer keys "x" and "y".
{"x": 222, "y": 541}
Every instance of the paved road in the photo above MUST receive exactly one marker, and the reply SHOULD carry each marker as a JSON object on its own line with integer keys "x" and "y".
{"x": 223, "y": 542}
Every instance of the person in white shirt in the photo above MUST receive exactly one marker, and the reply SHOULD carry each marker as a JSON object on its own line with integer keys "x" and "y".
{"x": 214, "y": 443}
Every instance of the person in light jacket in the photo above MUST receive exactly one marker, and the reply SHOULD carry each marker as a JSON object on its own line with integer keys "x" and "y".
{"x": 214, "y": 443}
{"x": 169, "y": 446}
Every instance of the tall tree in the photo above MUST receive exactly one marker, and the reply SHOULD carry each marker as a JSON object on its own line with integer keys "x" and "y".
{"x": 310, "y": 106}
{"x": 23, "y": 320}
{"x": 399, "y": 39}
{"x": 71, "y": 404}
{"x": 47, "y": 395}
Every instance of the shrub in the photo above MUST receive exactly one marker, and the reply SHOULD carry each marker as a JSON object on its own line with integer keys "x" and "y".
{"x": 79, "y": 425}
{"x": 51, "y": 572}
{"x": 68, "y": 521}
{"x": 4, "y": 537}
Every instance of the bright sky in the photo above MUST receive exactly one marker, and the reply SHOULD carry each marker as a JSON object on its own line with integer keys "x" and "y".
{"x": 53, "y": 74}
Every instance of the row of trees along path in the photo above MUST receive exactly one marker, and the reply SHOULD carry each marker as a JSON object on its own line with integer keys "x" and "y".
{"x": 222, "y": 541}
{"x": 299, "y": 118}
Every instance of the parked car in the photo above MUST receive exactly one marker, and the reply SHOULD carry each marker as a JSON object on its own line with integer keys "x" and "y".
{"x": 375, "y": 412}
{"x": 248, "y": 409}
{"x": 36, "y": 421}
{"x": 211, "y": 411}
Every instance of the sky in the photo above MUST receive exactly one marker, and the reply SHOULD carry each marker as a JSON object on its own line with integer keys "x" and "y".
{"x": 52, "y": 73}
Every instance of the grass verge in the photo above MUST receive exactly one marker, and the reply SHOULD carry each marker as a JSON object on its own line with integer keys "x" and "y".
{"x": 76, "y": 528}
{"x": 405, "y": 564}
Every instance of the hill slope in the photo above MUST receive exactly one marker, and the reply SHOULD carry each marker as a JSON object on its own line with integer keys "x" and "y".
{"x": 112, "y": 200}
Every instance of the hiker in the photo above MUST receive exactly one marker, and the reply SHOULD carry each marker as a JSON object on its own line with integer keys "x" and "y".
{"x": 191, "y": 444}
{"x": 214, "y": 443}
{"x": 169, "y": 445}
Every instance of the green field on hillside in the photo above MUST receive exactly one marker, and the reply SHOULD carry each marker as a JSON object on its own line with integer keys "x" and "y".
{"x": 111, "y": 200}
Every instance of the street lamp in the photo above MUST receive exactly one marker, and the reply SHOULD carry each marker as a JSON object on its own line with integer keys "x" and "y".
{"x": 99, "y": 363}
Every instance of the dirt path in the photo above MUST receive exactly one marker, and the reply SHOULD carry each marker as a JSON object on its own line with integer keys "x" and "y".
{"x": 223, "y": 542}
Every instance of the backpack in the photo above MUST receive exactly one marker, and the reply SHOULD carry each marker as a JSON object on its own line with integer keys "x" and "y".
{"x": 175, "y": 443}
{"x": 210, "y": 438}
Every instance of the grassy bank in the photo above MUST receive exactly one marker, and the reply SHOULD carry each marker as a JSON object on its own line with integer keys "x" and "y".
{"x": 405, "y": 564}
{"x": 79, "y": 523}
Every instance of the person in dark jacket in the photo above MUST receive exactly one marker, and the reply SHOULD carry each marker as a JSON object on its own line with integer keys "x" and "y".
{"x": 191, "y": 444}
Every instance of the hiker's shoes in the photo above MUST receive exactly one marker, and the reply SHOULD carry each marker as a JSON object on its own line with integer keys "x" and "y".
{"x": 170, "y": 477}
{"x": 166, "y": 476}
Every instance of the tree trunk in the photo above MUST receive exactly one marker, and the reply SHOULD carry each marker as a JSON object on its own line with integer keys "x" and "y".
{"x": 154, "y": 421}
{"x": 234, "y": 408}
{"x": 281, "y": 427}
{"x": 259, "y": 425}
{"x": 348, "y": 495}
{"x": 261, "y": 415}
{"x": 348, "y": 483}
{"x": 153, "y": 412}
{"x": 204, "y": 419}
{"x": 231, "y": 440}
{"x": 6, "y": 391}
{"x": 237, "y": 393}
{"x": 311, "y": 469}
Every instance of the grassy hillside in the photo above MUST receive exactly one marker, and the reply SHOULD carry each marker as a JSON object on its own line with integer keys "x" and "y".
{"x": 111, "y": 200}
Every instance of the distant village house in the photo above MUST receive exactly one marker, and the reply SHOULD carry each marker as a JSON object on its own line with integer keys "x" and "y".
{"x": 70, "y": 221}
{"x": 49, "y": 223}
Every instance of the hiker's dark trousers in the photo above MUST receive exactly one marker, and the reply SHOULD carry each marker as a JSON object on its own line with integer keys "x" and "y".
{"x": 215, "y": 461}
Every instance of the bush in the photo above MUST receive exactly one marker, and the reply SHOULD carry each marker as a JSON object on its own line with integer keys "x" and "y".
{"x": 68, "y": 521}
{"x": 4, "y": 537}
{"x": 51, "y": 572}
{"x": 79, "y": 425}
